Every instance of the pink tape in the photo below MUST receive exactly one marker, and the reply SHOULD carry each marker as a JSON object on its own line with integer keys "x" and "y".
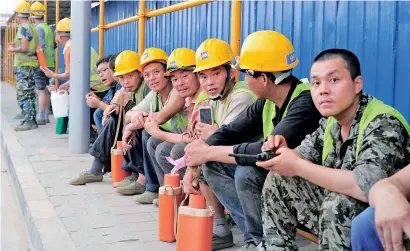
{"x": 178, "y": 164}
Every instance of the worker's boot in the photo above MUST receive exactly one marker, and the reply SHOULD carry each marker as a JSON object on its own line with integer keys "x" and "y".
{"x": 26, "y": 125}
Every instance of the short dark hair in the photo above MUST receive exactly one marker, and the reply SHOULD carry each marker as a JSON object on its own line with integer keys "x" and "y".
{"x": 111, "y": 63}
{"x": 350, "y": 59}
{"x": 105, "y": 59}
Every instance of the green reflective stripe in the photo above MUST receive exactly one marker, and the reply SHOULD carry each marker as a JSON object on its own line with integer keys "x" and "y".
{"x": 201, "y": 97}
{"x": 269, "y": 109}
{"x": 140, "y": 93}
{"x": 327, "y": 139}
{"x": 239, "y": 87}
{"x": 28, "y": 58}
{"x": 268, "y": 113}
{"x": 375, "y": 108}
{"x": 372, "y": 110}
{"x": 298, "y": 90}
{"x": 49, "y": 44}
{"x": 93, "y": 68}
{"x": 177, "y": 123}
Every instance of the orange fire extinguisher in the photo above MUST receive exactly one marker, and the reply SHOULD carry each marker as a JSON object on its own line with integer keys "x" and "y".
{"x": 40, "y": 56}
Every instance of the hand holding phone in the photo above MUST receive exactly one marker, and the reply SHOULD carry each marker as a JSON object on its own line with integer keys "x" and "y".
{"x": 206, "y": 115}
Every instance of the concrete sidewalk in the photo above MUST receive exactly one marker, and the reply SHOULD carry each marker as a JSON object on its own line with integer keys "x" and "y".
{"x": 64, "y": 217}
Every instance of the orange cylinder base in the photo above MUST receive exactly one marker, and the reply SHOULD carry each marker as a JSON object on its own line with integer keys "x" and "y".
{"x": 117, "y": 173}
{"x": 166, "y": 212}
{"x": 194, "y": 229}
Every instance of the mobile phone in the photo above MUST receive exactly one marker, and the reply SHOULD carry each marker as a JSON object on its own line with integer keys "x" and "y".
{"x": 206, "y": 115}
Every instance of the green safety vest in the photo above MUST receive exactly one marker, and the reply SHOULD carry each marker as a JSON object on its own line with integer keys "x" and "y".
{"x": 138, "y": 96}
{"x": 373, "y": 109}
{"x": 239, "y": 87}
{"x": 269, "y": 109}
{"x": 49, "y": 51}
{"x": 28, "y": 58}
{"x": 177, "y": 123}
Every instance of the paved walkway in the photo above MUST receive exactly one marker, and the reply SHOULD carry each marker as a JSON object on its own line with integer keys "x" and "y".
{"x": 64, "y": 217}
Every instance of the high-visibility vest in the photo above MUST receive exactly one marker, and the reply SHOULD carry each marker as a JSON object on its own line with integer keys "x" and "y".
{"x": 239, "y": 87}
{"x": 269, "y": 109}
{"x": 48, "y": 49}
{"x": 28, "y": 58}
{"x": 177, "y": 123}
{"x": 373, "y": 109}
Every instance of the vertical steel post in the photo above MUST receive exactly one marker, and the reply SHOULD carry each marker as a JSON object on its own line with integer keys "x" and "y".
{"x": 79, "y": 117}
{"x": 101, "y": 29}
{"x": 236, "y": 28}
{"x": 141, "y": 27}
{"x": 58, "y": 46}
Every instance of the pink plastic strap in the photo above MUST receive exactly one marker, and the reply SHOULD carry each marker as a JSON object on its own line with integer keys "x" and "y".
{"x": 178, "y": 164}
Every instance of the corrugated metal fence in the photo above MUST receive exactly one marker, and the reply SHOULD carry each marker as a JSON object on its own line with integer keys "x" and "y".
{"x": 378, "y": 32}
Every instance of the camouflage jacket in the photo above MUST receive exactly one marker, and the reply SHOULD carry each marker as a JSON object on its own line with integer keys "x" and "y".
{"x": 385, "y": 147}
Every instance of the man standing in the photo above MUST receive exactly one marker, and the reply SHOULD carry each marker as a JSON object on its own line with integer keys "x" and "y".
{"x": 25, "y": 63}
{"x": 46, "y": 42}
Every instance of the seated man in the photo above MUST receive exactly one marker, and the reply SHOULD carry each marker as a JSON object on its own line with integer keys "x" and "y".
{"x": 128, "y": 71}
{"x": 153, "y": 63}
{"x": 381, "y": 226}
{"x": 227, "y": 99}
{"x": 96, "y": 103}
{"x": 284, "y": 107}
{"x": 324, "y": 183}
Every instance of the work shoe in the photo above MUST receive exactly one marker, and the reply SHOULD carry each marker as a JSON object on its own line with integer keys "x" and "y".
{"x": 156, "y": 202}
{"x": 41, "y": 122}
{"x": 26, "y": 125}
{"x": 248, "y": 247}
{"x": 126, "y": 181}
{"x": 220, "y": 242}
{"x": 146, "y": 198}
{"x": 19, "y": 116}
{"x": 131, "y": 189}
{"x": 86, "y": 177}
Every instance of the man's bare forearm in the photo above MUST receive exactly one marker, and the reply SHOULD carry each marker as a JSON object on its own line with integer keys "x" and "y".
{"x": 221, "y": 154}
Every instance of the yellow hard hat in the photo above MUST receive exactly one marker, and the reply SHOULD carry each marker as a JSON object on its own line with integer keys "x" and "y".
{"x": 211, "y": 53}
{"x": 181, "y": 58}
{"x": 152, "y": 55}
{"x": 126, "y": 62}
{"x": 23, "y": 9}
{"x": 64, "y": 25}
{"x": 37, "y": 9}
{"x": 267, "y": 51}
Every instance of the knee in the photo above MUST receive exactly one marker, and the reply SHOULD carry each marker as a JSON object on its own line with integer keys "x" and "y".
{"x": 246, "y": 176}
{"x": 177, "y": 151}
{"x": 337, "y": 210}
{"x": 161, "y": 151}
{"x": 210, "y": 168}
{"x": 151, "y": 146}
{"x": 362, "y": 226}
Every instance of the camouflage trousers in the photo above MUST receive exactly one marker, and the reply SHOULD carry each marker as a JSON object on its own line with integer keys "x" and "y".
{"x": 289, "y": 202}
{"x": 26, "y": 96}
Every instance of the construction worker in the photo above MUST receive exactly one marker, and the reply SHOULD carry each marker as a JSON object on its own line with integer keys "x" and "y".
{"x": 46, "y": 42}
{"x": 128, "y": 71}
{"x": 325, "y": 181}
{"x": 284, "y": 107}
{"x": 153, "y": 63}
{"x": 63, "y": 30}
{"x": 25, "y": 64}
{"x": 381, "y": 226}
